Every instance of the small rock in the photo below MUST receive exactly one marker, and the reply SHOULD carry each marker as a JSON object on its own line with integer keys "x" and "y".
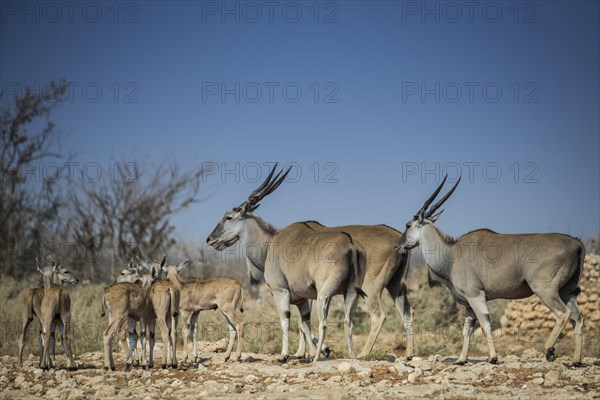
{"x": 251, "y": 379}
{"x": 366, "y": 373}
{"x": 52, "y": 393}
{"x": 551, "y": 378}
{"x": 538, "y": 381}
{"x": 202, "y": 368}
{"x": 75, "y": 394}
{"x": 19, "y": 380}
{"x": 422, "y": 365}
{"x": 415, "y": 375}
{"x": 346, "y": 368}
{"x": 401, "y": 368}
{"x": 103, "y": 392}
{"x": 37, "y": 373}
{"x": 37, "y": 388}
{"x": 384, "y": 383}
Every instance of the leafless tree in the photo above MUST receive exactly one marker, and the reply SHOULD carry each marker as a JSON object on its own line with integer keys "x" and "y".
{"x": 29, "y": 202}
{"x": 129, "y": 210}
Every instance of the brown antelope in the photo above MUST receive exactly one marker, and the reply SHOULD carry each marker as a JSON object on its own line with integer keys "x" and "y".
{"x": 32, "y": 303}
{"x": 56, "y": 304}
{"x": 225, "y": 294}
{"x": 128, "y": 302}
{"x": 130, "y": 274}
{"x": 484, "y": 265}
{"x": 385, "y": 269}
{"x": 164, "y": 301}
{"x": 297, "y": 262}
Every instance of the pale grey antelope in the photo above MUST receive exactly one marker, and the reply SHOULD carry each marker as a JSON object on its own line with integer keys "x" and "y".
{"x": 484, "y": 265}
{"x": 297, "y": 262}
{"x": 197, "y": 295}
{"x": 32, "y": 304}
{"x": 386, "y": 268}
{"x": 55, "y": 309}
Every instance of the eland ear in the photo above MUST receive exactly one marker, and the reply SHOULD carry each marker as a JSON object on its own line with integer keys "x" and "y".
{"x": 436, "y": 216}
{"x": 130, "y": 265}
{"x": 183, "y": 264}
{"x": 164, "y": 261}
{"x": 56, "y": 267}
{"x": 38, "y": 265}
{"x": 144, "y": 264}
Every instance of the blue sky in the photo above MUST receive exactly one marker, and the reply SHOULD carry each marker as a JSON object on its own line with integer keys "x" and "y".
{"x": 506, "y": 94}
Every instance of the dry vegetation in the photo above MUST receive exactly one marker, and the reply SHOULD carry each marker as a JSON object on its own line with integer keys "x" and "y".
{"x": 438, "y": 322}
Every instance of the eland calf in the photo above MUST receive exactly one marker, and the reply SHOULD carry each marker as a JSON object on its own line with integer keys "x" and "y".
{"x": 32, "y": 305}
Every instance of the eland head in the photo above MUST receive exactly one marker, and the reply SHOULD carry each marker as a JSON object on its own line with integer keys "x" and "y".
{"x": 230, "y": 227}
{"x": 425, "y": 216}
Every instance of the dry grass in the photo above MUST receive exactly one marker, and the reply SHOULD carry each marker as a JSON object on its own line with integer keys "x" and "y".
{"x": 438, "y": 323}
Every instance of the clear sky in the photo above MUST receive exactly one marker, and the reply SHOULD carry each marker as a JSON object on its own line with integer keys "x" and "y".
{"x": 371, "y": 101}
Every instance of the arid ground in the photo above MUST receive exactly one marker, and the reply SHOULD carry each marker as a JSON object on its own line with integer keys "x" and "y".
{"x": 262, "y": 377}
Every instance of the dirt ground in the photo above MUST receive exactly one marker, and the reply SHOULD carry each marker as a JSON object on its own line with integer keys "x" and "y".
{"x": 260, "y": 376}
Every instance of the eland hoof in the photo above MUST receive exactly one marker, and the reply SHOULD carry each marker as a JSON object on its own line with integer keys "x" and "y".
{"x": 493, "y": 360}
{"x": 550, "y": 354}
{"x": 283, "y": 359}
{"x": 460, "y": 362}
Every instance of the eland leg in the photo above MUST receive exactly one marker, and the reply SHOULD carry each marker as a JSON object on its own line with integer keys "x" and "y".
{"x": 151, "y": 341}
{"x": 306, "y": 336}
{"x": 142, "y": 357}
{"x": 375, "y": 310}
{"x": 577, "y": 320}
{"x": 480, "y": 308}
{"x": 23, "y": 338}
{"x": 172, "y": 324}
{"x": 301, "y": 352}
{"x": 322, "y": 309}
{"x": 195, "y": 325}
{"x": 186, "y": 318}
{"x": 282, "y": 302}
{"x": 44, "y": 364}
{"x": 52, "y": 348}
{"x": 133, "y": 340}
{"x": 399, "y": 293}
{"x": 350, "y": 302}
{"x": 552, "y": 300}
{"x": 166, "y": 338}
{"x": 235, "y": 323}
{"x": 109, "y": 333}
{"x": 466, "y": 332}
{"x": 67, "y": 342}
